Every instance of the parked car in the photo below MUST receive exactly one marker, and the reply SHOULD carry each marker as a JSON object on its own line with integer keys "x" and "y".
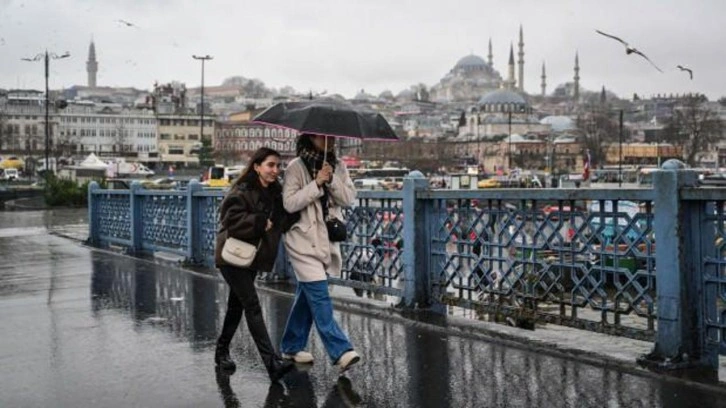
{"x": 489, "y": 183}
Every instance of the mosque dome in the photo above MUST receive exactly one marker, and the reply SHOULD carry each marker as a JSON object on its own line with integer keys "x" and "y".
{"x": 558, "y": 123}
{"x": 503, "y": 97}
{"x": 471, "y": 61}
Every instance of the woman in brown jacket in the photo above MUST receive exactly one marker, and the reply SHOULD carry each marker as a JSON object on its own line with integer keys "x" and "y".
{"x": 252, "y": 211}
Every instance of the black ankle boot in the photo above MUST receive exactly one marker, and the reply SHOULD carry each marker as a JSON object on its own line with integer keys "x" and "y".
{"x": 222, "y": 358}
{"x": 278, "y": 368}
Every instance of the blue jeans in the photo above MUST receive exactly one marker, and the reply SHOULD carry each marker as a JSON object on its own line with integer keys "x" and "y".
{"x": 312, "y": 303}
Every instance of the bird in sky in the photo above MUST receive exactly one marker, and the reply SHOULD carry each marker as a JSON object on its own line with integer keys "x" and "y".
{"x": 126, "y": 23}
{"x": 682, "y": 68}
{"x": 629, "y": 49}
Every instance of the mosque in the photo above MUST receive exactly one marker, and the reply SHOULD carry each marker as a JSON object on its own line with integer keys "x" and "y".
{"x": 496, "y": 105}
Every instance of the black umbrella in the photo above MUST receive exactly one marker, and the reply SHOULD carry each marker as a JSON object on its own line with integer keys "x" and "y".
{"x": 328, "y": 117}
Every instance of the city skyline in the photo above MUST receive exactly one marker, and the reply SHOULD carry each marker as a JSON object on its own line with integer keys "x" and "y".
{"x": 343, "y": 47}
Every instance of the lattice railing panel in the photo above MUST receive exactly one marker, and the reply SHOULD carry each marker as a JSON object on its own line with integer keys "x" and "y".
{"x": 584, "y": 263}
{"x": 164, "y": 220}
{"x": 114, "y": 215}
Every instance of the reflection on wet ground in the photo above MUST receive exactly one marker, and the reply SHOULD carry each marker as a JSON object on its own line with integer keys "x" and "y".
{"x": 83, "y": 327}
{"x": 55, "y": 217}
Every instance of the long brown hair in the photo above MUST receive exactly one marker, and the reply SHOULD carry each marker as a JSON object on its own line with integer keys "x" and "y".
{"x": 259, "y": 156}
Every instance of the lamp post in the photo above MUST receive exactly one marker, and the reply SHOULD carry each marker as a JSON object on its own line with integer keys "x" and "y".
{"x": 509, "y": 147}
{"x": 46, "y": 57}
{"x": 201, "y": 110}
{"x": 620, "y": 151}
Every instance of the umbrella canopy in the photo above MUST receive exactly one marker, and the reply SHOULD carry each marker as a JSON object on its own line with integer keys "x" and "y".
{"x": 328, "y": 118}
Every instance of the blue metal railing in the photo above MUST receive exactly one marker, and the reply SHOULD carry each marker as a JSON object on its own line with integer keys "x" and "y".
{"x": 584, "y": 258}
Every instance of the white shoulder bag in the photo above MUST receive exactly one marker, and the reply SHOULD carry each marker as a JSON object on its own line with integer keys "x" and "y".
{"x": 239, "y": 253}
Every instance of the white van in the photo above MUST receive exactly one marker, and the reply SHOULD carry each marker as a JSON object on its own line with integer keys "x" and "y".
{"x": 11, "y": 174}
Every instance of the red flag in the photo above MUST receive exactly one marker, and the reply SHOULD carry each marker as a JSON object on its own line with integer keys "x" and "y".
{"x": 586, "y": 166}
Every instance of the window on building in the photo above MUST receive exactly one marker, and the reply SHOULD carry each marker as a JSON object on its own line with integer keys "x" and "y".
{"x": 176, "y": 149}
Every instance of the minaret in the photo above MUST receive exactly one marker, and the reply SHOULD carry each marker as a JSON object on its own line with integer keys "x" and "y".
{"x": 490, "y": 57}
{"x": 92, "y": 65}
{"x": 511, "y": 82}
{"x": 544, "y": 80}
{"x": 576, "y": 93}
{"x": 520, "y": 54}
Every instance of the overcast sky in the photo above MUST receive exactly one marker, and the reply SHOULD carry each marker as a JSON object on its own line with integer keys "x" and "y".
{"x": 343, "y": 46}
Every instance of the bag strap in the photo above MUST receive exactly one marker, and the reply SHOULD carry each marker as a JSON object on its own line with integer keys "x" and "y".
{"x": 325, "y": 202}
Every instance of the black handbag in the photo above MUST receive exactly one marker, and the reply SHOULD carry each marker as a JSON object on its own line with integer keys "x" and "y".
{"x": 337, "y": 231}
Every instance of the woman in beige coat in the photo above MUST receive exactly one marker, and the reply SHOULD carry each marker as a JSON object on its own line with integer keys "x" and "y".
{"x": 314, "y": 180}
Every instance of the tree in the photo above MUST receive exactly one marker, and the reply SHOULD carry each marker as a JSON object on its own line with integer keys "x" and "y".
{"x": 693, "y": 126}
{"x": 4, "y": 132}
{"x": 206, "y": 153}
{"x": 64, "y": 146}
{"x": 600, "y": 128}
{"x": 120, "y": 136}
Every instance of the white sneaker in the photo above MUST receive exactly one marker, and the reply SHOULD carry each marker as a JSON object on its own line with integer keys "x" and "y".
{"x": 302, "y": 357}
{"x": 347, "y": 360}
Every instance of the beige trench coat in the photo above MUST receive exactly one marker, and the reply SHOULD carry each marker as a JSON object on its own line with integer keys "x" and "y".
{"x": 308, "y": 248}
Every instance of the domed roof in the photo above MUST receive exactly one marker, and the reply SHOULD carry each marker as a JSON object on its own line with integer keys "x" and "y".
{"x": 471, "y": 61}
{"x": 558, "y": 123}
{"x": 502, "y": 97}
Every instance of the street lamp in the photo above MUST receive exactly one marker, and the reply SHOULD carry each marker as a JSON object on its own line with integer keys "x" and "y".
{"x": 201, "y": 110}
{"x": 620, "y": 151}
{"x": 509, "y": 147}
{"x": 46, "y": 57}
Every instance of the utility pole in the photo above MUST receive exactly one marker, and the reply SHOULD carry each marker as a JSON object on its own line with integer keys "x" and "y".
{"x": 620, "y": 151}
{"x": 201, "y": 110}
{"x": 46, "y": 57}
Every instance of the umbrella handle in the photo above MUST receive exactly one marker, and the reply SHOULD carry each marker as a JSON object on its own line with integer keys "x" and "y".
{"x": 325, "y": 150}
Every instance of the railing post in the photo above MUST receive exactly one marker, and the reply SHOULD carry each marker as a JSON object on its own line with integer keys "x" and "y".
{"x": 92, "y": 216}
{"x": 137, "y": 223}
{"x": 416, "y": 244}
{"x": 680, "y": 232}
{"x": 194, "y": 224}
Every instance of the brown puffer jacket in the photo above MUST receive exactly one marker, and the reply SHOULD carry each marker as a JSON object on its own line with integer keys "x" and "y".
{"x": 243, "y": 215}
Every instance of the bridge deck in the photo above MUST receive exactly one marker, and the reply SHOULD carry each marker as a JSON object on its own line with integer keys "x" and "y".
{"x": 83, "y": 327}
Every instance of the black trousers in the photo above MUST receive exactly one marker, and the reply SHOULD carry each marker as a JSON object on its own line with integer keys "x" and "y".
{"x": 243, "y": 298}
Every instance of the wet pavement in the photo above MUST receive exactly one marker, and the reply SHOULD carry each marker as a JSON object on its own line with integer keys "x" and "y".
{"x": 90, "y": 328}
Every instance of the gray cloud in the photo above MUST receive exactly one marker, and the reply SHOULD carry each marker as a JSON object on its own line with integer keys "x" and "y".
{"x": 346, "y": 45}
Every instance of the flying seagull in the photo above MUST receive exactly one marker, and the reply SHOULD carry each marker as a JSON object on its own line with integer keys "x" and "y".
{"x": 682, "y": 68}
{"x": 128, "y": 24}
{"x": 628, "y": 49}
